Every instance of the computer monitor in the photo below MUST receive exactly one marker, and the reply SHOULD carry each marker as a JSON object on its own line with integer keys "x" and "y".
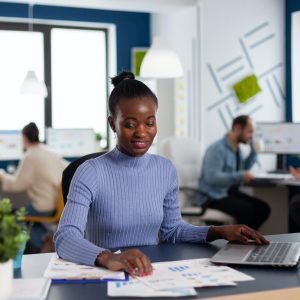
{"x": 71, "y": 142}
{"x": 278, "y": 138}
{"x": 11, "y": 146}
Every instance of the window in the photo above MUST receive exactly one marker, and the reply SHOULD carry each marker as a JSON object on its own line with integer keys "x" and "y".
{"x": 79, "y": 79}
{"x": 73, "y": 62}
{"x": 16, "y": 109}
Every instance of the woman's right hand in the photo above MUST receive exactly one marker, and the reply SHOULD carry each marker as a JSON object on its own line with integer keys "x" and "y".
{"x": 133, "y": 261}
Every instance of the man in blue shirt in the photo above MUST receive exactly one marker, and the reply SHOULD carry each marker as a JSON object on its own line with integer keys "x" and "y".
{"x": 224, "y": 169}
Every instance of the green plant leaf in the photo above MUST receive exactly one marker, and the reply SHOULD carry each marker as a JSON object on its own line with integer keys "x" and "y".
{"x": 13, "y": 231}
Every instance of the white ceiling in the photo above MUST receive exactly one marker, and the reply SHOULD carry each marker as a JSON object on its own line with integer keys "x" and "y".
{"x": 153, "y": 6}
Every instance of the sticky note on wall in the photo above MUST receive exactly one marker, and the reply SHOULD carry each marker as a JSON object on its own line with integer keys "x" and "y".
{"x": 137, "y": 56}
{"x": 246, "y": 88}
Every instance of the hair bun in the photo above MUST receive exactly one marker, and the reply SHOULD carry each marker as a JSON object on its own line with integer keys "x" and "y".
{"x": 121, "y": 76}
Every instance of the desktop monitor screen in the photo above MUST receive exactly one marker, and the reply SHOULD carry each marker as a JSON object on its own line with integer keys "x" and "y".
{"x": 11, "y": 146}
{"x": 279, "y": 138}
{"x": 71, "y": 142}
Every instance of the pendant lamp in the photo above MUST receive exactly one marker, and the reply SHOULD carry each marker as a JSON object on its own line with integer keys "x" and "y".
{"x": 160, "y": 61}
{"x": 31, "y": 84}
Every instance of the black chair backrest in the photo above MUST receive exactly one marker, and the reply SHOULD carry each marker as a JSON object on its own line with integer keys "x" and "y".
{"x": 69, "y": 171}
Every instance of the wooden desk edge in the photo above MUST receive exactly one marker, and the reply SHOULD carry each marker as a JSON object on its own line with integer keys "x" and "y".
{"x": 288, "y": 293}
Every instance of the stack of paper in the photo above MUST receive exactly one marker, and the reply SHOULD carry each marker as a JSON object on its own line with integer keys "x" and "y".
{"x": 177, "y": 278}
{"x": 60, "y": 270}
{"x": 136, "y": 288}
{"x": 30, "y": 289}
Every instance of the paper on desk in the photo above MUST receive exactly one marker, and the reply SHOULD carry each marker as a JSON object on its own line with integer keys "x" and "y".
{"x": 224, "y": 271}
{"x": 62, "y": 269}
{"x": 30, "y": 289}
{"x": 191, "y": 273}
{"x": 177, "y": 278}
{"x": 136, "y": 288}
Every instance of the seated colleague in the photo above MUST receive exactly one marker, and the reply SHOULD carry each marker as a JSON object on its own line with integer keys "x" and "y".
{"x": 128, "y": 197}
{"x": 294, "y": 208}
{"x": 224, "y": 169}
{"x": 39, "y": 174}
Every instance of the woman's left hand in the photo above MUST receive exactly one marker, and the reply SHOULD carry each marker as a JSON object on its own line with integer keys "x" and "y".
{"x": 235, "y": 233}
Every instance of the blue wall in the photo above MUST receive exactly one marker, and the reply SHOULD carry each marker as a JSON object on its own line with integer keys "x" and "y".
{"x": 133, "y": 29}
{"x": 290, "y": 7}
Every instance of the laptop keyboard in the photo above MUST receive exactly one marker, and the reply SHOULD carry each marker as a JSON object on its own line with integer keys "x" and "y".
{"x": 274, "y": 253}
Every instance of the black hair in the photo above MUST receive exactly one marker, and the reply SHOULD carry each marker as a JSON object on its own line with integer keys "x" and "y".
{"x": 241, "y": 120}
{"x": 127, "y": 87}
{"x": 31, "y": 131}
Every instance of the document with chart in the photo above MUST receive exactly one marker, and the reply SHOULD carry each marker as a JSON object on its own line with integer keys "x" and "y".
{"x": 192, "y": 273}
{"x": 60, "y": 270}
{"x": 178, "y": 277}
{"x": 136, "y": 288}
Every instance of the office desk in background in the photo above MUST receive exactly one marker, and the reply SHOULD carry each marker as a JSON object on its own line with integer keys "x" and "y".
{"x": 276, "y": 194}
{"x": 265, "y": 278}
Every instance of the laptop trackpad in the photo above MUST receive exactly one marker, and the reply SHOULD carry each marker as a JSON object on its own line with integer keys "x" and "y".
{"x": 233, "y": 253}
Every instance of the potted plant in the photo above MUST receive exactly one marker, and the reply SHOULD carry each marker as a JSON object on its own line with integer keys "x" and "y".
{"x": 100, "y": 141}
{"x": 13, "y": 234}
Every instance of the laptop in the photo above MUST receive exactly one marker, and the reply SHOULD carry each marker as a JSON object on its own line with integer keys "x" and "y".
{"x": 279, "y": 254}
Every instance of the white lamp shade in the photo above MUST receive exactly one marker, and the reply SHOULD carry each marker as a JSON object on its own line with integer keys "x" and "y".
{"x": 160, "y": 62}
{"x": 31, "y": 85}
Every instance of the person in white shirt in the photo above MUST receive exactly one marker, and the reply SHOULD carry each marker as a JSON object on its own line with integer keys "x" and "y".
{"x": 39, "y": 174}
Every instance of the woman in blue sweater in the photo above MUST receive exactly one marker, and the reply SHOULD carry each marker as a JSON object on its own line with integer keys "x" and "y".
{"x": 128, "y": 197}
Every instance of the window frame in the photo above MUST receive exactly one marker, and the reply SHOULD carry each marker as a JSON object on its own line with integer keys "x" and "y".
{"x": 45, "y": 27}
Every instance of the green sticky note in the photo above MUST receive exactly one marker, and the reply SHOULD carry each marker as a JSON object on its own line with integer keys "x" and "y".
{"x": 246, "y": 88}
{"x": 137, "y": 58}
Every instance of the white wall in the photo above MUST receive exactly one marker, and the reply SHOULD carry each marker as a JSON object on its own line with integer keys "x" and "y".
{"x": 219, "y": 43}
{"x": 296, "y": 66}
{"x": 233, "y": 31}
{"x": 180, "y": 30}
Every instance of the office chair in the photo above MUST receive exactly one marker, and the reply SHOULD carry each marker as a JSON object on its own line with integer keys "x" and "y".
{"x": 69, "y": 172}
{"x": 50, "y": 223}
{"x": 185, "y": 153}
{"x": 52, "y": 219}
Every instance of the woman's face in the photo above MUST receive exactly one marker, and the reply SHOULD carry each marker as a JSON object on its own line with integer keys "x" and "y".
{"x": 134, "y": 125}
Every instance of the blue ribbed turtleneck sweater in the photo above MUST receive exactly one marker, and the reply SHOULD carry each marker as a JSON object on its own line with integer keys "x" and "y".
{"x": 116, "y": 200}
